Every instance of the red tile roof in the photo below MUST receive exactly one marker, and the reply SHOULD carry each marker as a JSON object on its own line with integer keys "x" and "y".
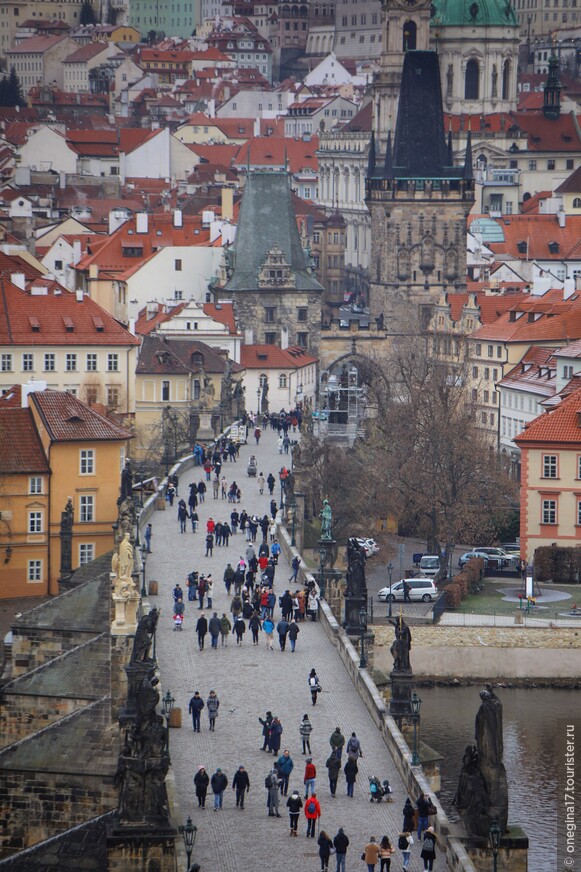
{"x": 273, "y": 357}
{"x": 21, "y": 450}
{"x": 36, "y": 45}
{"x": 236, "y": 128}
{"x": 491, "y": 306}
{"x": 216, "y": 154}
{"x": 175, "y": 355}
{"x": 86, "y": 52}
{"x": 145, "y": 325}
{"x": 537, "y": 231}
{"x": 538, "y": 319}
{"x": 222, "y": 312}
{"x": 560, "y": 134}
{"x": 572, "y": 184}
{"x": 67, "y": 419}
{"x": 560, "y": 425}
{"x": 533, "y": 204}
{"x": 42, "y": 320}
{"x": 271, "y": 151}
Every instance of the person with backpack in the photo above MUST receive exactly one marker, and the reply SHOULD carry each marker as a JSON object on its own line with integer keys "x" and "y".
{"x": 310, "y": 776}
{"x": 305, "y": 730}
{"x": 294, "y": 804}
{"x": 337, "y": 741}
{"x": 404, "y": 843}
{"x": 312, "y": 814}
{"x": 241, "y": 784}
{"x": 271, "y": 784}
{"x": 314, "y": 686}
{"x": 428, "y": 854}
{"x": 350, "y": 769}
{"x": 354, "y": 747}
{"x": 341, "y": 843}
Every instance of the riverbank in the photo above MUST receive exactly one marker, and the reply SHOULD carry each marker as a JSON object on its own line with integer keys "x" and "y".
{"x": 447, "y": 656}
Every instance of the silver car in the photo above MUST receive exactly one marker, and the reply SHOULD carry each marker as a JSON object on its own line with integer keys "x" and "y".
{"x": 420, "y": 590}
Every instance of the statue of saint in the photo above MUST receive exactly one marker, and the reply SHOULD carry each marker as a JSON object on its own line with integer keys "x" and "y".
{"x": 326, "y": 516}
{"x": 355, "y": 576}
{"x": 66, "y": 537}
{"x": 127, "y": 481}
{"x": 401, "y": 646}
{"x": 125, "y": 565}
{"x": 143, "y": 636}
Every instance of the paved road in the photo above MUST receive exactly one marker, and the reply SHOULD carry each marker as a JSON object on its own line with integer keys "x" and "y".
{"x": 250, "y": 680}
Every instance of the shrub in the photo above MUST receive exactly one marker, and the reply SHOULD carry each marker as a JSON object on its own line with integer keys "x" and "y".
{"x": 453, "y": 594}
{"x": 462, "y": 582}
{"x": 560, "y": 565}
{"x": 473, "y": 571}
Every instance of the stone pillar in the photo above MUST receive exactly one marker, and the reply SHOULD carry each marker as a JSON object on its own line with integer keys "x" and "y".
{"x": 334, "y": 586}
{"x": 132, "y": 848}
{"x": 401, "y": 692}
{"x": 512, "y": 856}
{"x": 136, "y": 671}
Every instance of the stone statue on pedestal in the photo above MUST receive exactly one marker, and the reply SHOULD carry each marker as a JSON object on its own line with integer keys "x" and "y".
{"x": 125, "y": 563}
{"x": 482, "y": 794}
{"x": 126, "y": 481}
{"x": 355, "y": 575}
{"x": 326, "y": 516}
{"x": 144, "y": 637}
{"x": 66, "y": 537}
{"x": 401, "y": 646}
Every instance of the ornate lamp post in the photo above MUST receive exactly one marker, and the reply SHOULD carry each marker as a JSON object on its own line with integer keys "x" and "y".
{"x": 258, "y": 392}
{"x": 293, "y": 507}
{"x": 363, "y": 628}
{"x": 189, "y": 833}
{"x": 167, "y": 705}
{"x": 494, "y": 839}
{"x": 415, "y": 705}
{"x": 390, "y": 573}
{"x": 143, "y": 560}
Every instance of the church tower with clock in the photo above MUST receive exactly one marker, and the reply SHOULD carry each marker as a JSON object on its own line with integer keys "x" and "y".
{"x": 405, "y": 27}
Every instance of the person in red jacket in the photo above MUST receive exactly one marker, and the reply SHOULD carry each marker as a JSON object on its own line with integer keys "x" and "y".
{"x": 210, "y": 526}
{"x": 312, "y": 814}
{"x": 310, "y": 775}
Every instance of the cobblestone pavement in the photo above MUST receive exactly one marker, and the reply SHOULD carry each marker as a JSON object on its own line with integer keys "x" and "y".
{"x": 249, "y": 681}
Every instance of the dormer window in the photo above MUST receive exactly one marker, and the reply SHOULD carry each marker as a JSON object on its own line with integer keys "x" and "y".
{"x": 554, "y": 247}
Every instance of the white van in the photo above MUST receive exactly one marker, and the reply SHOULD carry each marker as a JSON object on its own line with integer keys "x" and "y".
{"x": 420, "y": 589}
{"x": 430, "y": 565}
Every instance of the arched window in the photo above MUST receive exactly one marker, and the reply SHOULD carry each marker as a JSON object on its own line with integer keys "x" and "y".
{"x": 471, "y": 80}
{"x": 577, "y": 203}
{"x": 506, "y": 80}
{"x": 263, "y": 380}
{"x": 410, "y": 33}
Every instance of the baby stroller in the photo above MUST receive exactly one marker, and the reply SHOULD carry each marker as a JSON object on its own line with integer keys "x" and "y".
{"x": 379, "y": 789}
{"x": 178, "y": 621}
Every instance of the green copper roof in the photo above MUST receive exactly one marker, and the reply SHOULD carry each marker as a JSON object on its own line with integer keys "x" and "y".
{"x": 473, "y": 13}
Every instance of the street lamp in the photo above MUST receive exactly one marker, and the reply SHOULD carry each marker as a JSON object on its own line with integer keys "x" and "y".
{"x": 293, "y": 508}
{"x": 494, "y": 839}
{"x": 415, "y": 704}
{"x": 258, "y": 392}
{"x": 143, "y": 560}
{"x": 167, "y": 705}
{"x": 390, "y": 573}
{"x": 189, "y": 833}
{"x": 363, "y": 628}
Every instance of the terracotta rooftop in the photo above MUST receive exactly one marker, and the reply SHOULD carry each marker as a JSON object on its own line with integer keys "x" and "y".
{"x": 558, "y": 426}
{"x": 21, "y": 450}
{"x": 273, "y": 357}
{"x": 67, "y": 419}
{"x": 534, "y": 373}
{"x": 86, "y": 52}
{"x": 536, "y": 319}
{"x": 572, "y": 184}
{"x": 531, "y": 235}
{"x": 36, "y": 45}
{"x": 491, "y": 305}
{"x": 272, "y": 151}
{"x": 174, "y": 356}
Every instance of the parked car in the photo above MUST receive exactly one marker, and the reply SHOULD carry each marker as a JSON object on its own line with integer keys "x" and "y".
{"x": 501, "y": 555}
{"x": 421, "y": 589}
{"x": 469, "y": 555}
{"x": 368, "y": 546}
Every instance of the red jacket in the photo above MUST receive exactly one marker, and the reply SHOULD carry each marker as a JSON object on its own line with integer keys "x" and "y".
{"x": 314, "y": 814}
{"x": 210, "y": 526}
{"x": 310, "y": 772}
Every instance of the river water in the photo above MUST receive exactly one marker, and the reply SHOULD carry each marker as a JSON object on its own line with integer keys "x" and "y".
{"x": 531, "y": 722}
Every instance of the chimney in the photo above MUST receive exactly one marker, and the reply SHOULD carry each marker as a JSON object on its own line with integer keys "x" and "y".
{"x": 141, "y": 222}
{"x": 62, "y": 180}
{"x": 561, "y": 217}
{"x": 178, "y": 218}
{"x": 30, "y": 387}
{"x": 80, "y": 295}
{"x": 76, "y": 251}
{"x": 117, "y": 217}
{"x": 227, "y": 195}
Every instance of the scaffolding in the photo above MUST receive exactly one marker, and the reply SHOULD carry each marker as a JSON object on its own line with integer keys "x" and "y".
{"x": 341, "y": 410}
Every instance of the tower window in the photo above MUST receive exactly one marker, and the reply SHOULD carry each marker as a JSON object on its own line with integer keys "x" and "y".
{"x": 471, "y": 80}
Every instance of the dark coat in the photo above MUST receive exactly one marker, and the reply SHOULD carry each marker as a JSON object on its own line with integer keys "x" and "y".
{"x": 241, "y": 781}
{"x": 325, "y": 846}
{"x": 202, "y": 627}
{"x": 274, "y": 736}
{"x": 341, "y": 843}
{"x": 333, "y": 764}
{"x": 196, "y": 705}
{"x": 201, "y": 781}
{"x": 219, "y": 782}
{"x": 351, "y": 769}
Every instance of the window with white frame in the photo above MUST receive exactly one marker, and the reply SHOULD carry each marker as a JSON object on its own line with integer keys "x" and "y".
{"x": 86, "y": 508}
{"x": 71, "y": 362}
{"x": 87, "y": 461}
{"x": 549, "y": 512}
{"x": 35, "y": 522}
{"x": 549, "y": 466}
{"x": 27, "y": 362}
{"x": 34, "y": 570}
{"x": 35, "y": 484}
{"x": 49, "y": 362}
{"x": 112, "y": 363}
{"x": 91, "y": 362}
{"x": 5, "y": 362}
{"x": 282, "y": 380}
{"x": 86, "y": 553}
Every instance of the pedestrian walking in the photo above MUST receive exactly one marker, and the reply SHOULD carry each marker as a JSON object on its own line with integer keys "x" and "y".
{"x": 404, "y": 843}
{"x": 350, "y": 769}
{"x": 268, "y": 627}
{"x": 274, "y": 735}
{"x": 353, "y": 748}
{"x": 209, "y": 544}
{"x": 305, "y": 730}
{"x": 309, "y": 777}
{"x": 202, "y": 492}
{"x": 192, "y": 586}
{"x": 423, "y": 805}
{"x": 314, "y": 686}
{"x": 337, "y": 741}
{"x": 428, "y": 853}
{"x": 209, "y": 590}
{"x": 282, "y": 629}
{"x": 212, "y": 704}
{"x": 294, "y": 804}
{"x": 312, "y": 814}
{"x": 255, "y": 626}
{"x": 201, "y": 591}
{"x": 219, "y": 783}
{"x": 216, "y": 488}
{"x": 295, "y": 565}
{"x": 279, "y": 444}
{"x": 241, "y": 784}
{"x": 148, "y": 535}
{"x": 408, "y": 816}
{"x": 215, "y": 627}
{"x": 333, "y": 764}
{"x": 225, "y": 629}
{"x": 195, "y": 709}
{"x": 293, "y": 632}
{"x": 201, "y": 782}
{"x": 170, "y": 493}
{"x": 371, "y": 852}
{"x": 266, "y": 722}
{"x": 239, "y": 629}
{"x": 182, "y": 515}
{"x": 257, "y": 434}
{"x": 271, "y": 481}
{"x": 260, "y": 482}
{"x": 236, "y": 606}
{"x": 223, "y": 487}
{"x": 325, "y": 845}
{"x": 285, "y": 766}
{"x": 228, "y": 577}
{"x": 385, "y": 854}
{"x": 194, "y": 518}
{"x": 406, "y": 592}
{"x": 271, "y": 784}
{"x": 341, "y": 843}
{"x": 201, "y": 630}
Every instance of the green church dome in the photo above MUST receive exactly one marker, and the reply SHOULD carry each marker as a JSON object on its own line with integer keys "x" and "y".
{"x": 473, "y": 13}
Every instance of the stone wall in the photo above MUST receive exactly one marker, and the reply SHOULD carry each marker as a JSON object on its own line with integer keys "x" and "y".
{"x": 250, "y": 314}
{"x": 22, "y": 715}
{"x": 32, "y": 648}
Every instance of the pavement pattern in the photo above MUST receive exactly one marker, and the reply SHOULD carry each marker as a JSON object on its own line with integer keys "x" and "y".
{"x": 249, "y": 681}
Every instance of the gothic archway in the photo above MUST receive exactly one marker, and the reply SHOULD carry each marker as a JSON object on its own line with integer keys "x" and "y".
{"x": 410, "y": 36}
